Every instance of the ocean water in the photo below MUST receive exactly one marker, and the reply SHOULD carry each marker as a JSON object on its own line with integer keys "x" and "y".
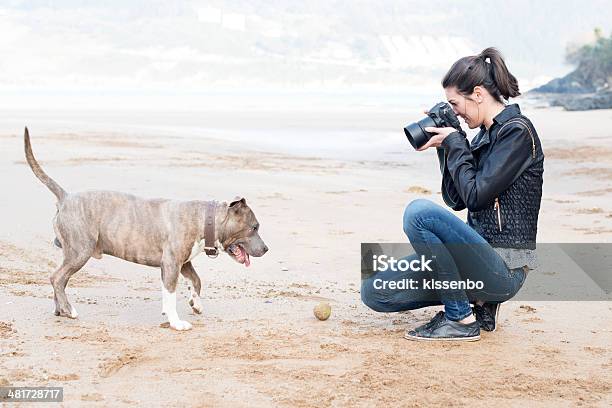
{"x": 359, "y": 125}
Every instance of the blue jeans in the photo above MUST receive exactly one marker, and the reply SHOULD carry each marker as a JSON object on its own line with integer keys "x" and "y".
{"x": 458, "y": 253}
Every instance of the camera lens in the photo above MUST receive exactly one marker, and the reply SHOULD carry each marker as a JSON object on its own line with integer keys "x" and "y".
{"x": 416, "y": 134}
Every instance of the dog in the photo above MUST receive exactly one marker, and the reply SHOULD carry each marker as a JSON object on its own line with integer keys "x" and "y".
{"x": 156, "y": 232}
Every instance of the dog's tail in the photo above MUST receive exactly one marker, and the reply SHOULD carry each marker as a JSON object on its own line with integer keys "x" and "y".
{"x": 55, "y": 188}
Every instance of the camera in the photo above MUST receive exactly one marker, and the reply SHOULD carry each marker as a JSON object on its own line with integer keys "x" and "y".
{"x": 440, "y": 115}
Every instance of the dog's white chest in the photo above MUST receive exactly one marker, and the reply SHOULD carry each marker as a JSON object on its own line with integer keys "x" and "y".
{"x": 198, "y": 246}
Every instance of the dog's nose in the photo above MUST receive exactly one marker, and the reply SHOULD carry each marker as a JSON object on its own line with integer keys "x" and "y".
{"x": 265, "y": 249}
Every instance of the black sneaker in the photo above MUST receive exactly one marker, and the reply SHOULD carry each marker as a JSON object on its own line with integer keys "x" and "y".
{"x": 487, "y": 315}
{"x": 434, "y": 320}
{"x": 440, "y": 328}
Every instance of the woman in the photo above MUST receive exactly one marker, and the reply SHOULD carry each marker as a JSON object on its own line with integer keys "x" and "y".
{"x": 498, "y": 178}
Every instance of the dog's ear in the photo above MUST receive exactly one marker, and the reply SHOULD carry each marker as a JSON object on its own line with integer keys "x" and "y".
{"x": 237, "y": 201}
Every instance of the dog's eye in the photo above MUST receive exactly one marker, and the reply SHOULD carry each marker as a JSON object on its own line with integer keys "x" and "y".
{"x": 255, "y": 228}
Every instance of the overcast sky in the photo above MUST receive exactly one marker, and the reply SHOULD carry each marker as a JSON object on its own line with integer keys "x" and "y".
{"x": 75, "y": 52}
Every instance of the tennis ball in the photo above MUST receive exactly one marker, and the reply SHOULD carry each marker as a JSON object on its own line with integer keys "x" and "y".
{"x": 322, "y": 311}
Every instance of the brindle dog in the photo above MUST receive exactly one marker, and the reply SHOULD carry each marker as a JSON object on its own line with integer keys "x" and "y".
{"x": 155, "y": 232}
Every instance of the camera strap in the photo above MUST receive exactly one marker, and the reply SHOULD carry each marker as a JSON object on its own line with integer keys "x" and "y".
{"x": 447, "y": 182}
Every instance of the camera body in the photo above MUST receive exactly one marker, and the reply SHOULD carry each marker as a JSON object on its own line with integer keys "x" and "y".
{"x": 440, "y": 115}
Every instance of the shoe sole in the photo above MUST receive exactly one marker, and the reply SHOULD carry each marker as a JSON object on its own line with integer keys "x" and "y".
{"x": 417, "y": 338}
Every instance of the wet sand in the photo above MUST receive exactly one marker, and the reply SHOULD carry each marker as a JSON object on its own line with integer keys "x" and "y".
{"x": 257, "y": 342}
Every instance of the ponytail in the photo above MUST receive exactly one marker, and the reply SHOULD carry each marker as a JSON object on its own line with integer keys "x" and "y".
{"x": 504, "y": 81}
{"x": 486, "y": 69}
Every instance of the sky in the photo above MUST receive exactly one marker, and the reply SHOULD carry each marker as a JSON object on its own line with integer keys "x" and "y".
{"x": 200, "y": 54}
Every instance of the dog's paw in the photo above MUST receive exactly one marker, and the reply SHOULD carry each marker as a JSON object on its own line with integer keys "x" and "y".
{"x": 73, "y": 313}
{"x": 196, "y": 305}
{"x": 180, "y": 325}
{"x": 197, "y": 308}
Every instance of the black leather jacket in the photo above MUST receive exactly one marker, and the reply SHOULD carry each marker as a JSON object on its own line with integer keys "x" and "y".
{"x": 498, "y": 177}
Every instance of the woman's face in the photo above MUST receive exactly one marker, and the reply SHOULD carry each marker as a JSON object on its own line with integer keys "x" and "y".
{"x": 465, "y": 108}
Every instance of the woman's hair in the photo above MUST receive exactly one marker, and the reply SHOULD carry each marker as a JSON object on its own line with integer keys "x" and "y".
{"x": 475, "y": 70}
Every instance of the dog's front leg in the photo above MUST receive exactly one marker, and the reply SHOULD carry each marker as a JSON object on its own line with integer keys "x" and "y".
{"x": 170, "y": 271}
{"x": 194, "y": 289}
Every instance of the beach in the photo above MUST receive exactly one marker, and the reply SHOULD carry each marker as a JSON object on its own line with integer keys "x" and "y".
{"x": 320, "y": 184}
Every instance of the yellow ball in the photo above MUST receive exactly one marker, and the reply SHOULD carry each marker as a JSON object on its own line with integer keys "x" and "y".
{"x": 322, "y": 311}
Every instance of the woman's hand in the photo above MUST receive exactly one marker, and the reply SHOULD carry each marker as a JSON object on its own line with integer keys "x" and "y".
{"x": 438, "y": 137}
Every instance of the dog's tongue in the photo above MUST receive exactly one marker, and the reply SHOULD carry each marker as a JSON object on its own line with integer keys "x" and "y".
{"x": 244, "y": 254}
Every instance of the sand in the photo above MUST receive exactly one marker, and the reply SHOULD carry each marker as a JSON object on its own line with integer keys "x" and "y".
{"x": 257, "y": 342}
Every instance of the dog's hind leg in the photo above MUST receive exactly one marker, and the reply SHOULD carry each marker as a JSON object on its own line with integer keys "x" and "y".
{"x": 194, "y": 288}
{"x": 75, "y": 257}
{"x": 59, "y": 280}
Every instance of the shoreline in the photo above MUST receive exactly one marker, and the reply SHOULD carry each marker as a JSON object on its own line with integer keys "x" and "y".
{"x": 257, "y": 342}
